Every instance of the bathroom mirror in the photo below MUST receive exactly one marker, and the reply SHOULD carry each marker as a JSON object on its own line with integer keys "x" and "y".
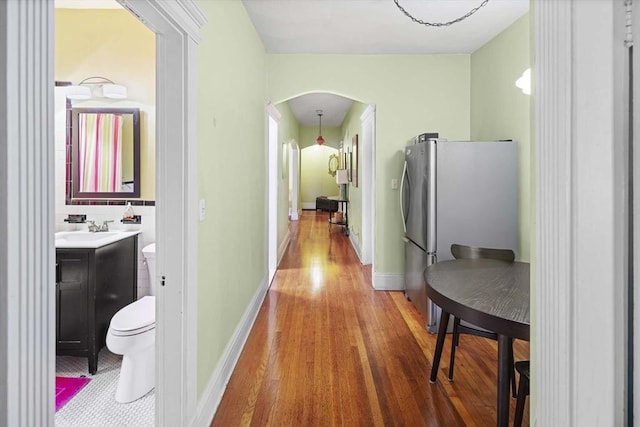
{"x": 105, "y": 153}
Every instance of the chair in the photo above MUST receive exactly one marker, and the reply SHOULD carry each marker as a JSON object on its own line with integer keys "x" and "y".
{"x": 523, "y": 391}
{"x": 471, "y": 252}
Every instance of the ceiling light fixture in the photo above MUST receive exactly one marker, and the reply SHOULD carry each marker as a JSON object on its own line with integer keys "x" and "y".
{"x": 319, "y": 139}
{"x": 109, "y": 89}
{"x": 439, "y": 24}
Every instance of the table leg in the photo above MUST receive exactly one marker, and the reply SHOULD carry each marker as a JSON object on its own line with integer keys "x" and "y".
{"x": 442, "y": 332}
{"x": 504, "y": 376}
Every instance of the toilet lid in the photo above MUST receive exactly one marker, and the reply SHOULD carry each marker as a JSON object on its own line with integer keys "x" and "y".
{"x": 137, "y": 315}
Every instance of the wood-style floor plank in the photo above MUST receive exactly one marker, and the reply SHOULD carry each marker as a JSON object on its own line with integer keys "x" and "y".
{"x": 326, "y": 349}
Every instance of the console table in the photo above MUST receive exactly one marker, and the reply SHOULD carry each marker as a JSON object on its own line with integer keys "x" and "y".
{"x": 344, "y": 207}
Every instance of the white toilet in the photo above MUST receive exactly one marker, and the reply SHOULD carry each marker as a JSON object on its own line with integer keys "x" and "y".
{"x": 132, "y": 333}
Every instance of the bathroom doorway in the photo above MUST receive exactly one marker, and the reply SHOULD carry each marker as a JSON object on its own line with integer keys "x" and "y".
{"x": 175, "y": 392}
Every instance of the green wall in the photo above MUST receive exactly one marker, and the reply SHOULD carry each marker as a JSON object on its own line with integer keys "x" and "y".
{"x": 351, "y": 127}
{"x": 499, "y": 110}
{"x": 412, "y": 94}
{"x": 231, "y": 176}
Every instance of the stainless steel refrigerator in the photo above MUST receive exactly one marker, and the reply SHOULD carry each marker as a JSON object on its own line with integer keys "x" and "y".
{"x": 455, "y": 192}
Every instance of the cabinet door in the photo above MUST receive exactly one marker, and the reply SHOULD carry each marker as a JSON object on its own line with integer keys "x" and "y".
{"x": 71, "y": 298}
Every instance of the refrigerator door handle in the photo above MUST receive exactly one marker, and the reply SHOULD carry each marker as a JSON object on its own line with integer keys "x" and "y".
{"x": 402, "y": 198}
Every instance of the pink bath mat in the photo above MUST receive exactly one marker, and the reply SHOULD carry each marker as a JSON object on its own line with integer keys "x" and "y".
{"x": 67, "y": 387}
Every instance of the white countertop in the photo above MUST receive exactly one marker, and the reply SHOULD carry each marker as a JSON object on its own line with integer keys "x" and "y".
{"x": 86, "y": 239}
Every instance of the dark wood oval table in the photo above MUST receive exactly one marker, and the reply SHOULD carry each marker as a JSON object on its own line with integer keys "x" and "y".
{"x": 488, "y": 293}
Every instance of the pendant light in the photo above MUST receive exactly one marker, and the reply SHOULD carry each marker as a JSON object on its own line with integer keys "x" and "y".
{"x": 319, "y": 139}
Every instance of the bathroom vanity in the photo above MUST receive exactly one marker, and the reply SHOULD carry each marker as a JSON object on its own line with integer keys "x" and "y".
{"x": 96, "y": 275}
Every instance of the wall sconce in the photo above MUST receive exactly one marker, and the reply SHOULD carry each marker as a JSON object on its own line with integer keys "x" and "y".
{"x": 524, "y": 82}
{"x": 109, "y": 89}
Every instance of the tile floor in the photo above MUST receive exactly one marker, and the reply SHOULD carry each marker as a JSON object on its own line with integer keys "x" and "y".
{"x": 95, "y": 405}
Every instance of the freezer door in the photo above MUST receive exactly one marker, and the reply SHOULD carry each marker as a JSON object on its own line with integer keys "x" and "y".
{"x": 477, "y": 195}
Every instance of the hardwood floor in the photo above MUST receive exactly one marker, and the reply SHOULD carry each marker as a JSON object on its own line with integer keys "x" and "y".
{"x": 326, "y": 349}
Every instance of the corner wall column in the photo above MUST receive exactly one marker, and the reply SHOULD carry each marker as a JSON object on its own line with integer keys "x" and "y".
{"x": 27, "y": 283}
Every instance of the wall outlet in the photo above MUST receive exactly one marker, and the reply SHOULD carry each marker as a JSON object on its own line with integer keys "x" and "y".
{"x": 202, "y": 210}
{"x": 394, "y": 184}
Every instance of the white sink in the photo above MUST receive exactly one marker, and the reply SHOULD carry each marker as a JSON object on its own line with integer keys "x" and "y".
{"x": 86, "y": 239}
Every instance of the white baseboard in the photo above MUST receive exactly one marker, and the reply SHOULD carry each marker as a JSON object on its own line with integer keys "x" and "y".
{"x": 356, "y": 246}
{"x": 283, "y": 246}
{"x": 388, "y": 281}
{"x": 212, "y": 395}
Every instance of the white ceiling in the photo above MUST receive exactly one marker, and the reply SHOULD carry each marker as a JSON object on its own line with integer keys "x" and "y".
{"x": 334, "y": 108}
{"x": 378, "y": 26}
{"x": 372, "y": 27}
{"x": 87, "y": 4}
{"x": 362, "y": 27}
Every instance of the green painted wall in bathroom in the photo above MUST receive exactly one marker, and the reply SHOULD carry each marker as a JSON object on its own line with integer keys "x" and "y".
{"x": 412, "y": 93}
{"x": 231, "y": 176}
{"x": 499, "y": 109}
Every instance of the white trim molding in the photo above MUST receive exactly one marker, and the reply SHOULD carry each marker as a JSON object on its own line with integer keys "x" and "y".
{"x": 27, "y": 255}
{"x": 212, "y": 395}
{"x": 578, "y": 379}
{"x": 355, "y": 245}
{"x": 177, "y": 24}
{"x": 283, "y": 245}
{"x": 368, "y": 184}
{"x": 636, "y": 217}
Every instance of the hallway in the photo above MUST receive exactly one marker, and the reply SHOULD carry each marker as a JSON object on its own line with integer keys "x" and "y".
{"x": 326, "y": 349}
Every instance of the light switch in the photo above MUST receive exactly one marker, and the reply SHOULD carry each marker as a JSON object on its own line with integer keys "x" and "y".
{"x": 394, "y": 184}
{"x": 203, "y": 210}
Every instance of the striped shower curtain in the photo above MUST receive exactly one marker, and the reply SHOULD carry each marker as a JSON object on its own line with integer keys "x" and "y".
{"x": 100, "y": 152}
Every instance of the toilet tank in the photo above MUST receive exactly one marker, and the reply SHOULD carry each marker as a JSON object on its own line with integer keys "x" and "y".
{"x": 149, "y": 253}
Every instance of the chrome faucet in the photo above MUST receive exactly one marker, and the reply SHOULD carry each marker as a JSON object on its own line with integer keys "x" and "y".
{"x": 93, "y": 228}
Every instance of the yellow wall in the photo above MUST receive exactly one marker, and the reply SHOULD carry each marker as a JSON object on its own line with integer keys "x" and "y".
{"x": 316, "y": 180}
{"x": 499, "y": 110}
{"x": 231, "y": 176}
{"x": 412, "y": 93}
{"x": 115, "y": 45}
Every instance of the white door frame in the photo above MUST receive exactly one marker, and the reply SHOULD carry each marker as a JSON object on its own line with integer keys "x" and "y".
{"x": 176, "y": 24}
{"x": 294, "y": 179}
{"x": 368, "y": 150}
{"x": 27, "y": 303}
{"x": 578, "y": 336}
{"x": 27, "y": 255}
{"x": 272, "y": 154}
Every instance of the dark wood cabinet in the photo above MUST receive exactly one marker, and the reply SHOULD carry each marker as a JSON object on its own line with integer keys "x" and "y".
{"x": 91, "y": 286}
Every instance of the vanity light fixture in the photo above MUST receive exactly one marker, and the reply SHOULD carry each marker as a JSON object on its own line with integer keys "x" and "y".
{"x": 109, "y": 89}
{"x": 319, "y": 139}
